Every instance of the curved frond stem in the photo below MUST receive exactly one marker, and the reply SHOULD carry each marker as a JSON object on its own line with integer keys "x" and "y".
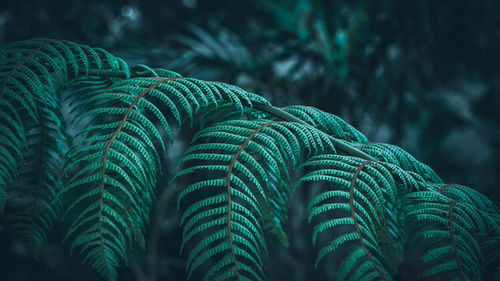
{"x": 445, "y": 186}
{"x": 365, "y": 144}
{"x": 289, "y": 117}
{"x": 228, "y": 185}
{"x": 353, "y": 215}
{"x": 104, "y": 160}
{"x": 24, "y": 60}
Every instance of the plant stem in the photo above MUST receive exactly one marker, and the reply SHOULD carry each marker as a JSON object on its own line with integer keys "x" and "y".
{"x": 289, "y": 117}
{"x": 269, "y": 109}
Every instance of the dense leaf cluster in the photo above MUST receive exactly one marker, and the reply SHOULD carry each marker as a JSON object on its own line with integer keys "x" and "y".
{"x": 376, "y": 201}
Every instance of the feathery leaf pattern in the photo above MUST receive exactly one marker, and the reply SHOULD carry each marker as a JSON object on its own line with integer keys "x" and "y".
{"x": 84, "y": 132}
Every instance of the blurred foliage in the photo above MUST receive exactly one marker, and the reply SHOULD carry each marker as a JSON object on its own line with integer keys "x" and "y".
{"x": 423, "y": 74}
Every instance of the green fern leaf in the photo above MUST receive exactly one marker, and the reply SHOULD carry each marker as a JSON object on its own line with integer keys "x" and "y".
{"x": 451, "y": 229}
{"x": 369, "y": 190}
{"x": 248, "y": 162}
{"x": 120, "y": 157}
{"x": 399, "y": 157}
{"x": 39, "y": 178}
{"x": 328, "y": 123}
{"x": 29, "y": 73}
{"x": 122, "y": 119}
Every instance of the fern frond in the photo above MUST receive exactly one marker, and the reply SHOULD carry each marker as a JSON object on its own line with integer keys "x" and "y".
{"x": 12, "y": 142}
{"x": 120, "y": 158}
{"x": 491, "y": 250}
{"x": 327, "y": 122}
{"x": 466, "y": 195}
{"x": 104, "y": 172}
{"x": 27, "y": 68}
{"x": 39, "y": 178}
{"x": 362, "y": 195}
{"x": 451, "y": 229}
{"x": 30, "y": 72}
{"x": 232, "y": 233}
{"x": 397, "y": 156}
{"x": 247, "y": 164}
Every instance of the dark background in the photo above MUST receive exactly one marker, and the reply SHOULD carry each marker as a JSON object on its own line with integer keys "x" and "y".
{"x": 423, "y": 75}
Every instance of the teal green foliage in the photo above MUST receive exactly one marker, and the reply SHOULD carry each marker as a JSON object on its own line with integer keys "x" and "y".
{"x": 38, "y": 181}
{"x": 254, "y": 156}
{"x": 376, "y": 200}
{"x": 373, "y": 192}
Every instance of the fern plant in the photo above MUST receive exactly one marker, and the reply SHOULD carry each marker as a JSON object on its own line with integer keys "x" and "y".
{"x": 83, "y": 136}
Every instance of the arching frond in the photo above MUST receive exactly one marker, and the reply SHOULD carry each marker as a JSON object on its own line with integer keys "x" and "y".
{"x": 30, "y": 73}
{"x": 361, "y": 194}
{"x": 120, "y": 154}
{"x": 246, "y": 164}
{"x": 465, "y": 195}
{"x": 491, "y": 249}
{"x": 103, "y": 171}
{"x": 451, "y": 230}
{"x": 39, "y": 178}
